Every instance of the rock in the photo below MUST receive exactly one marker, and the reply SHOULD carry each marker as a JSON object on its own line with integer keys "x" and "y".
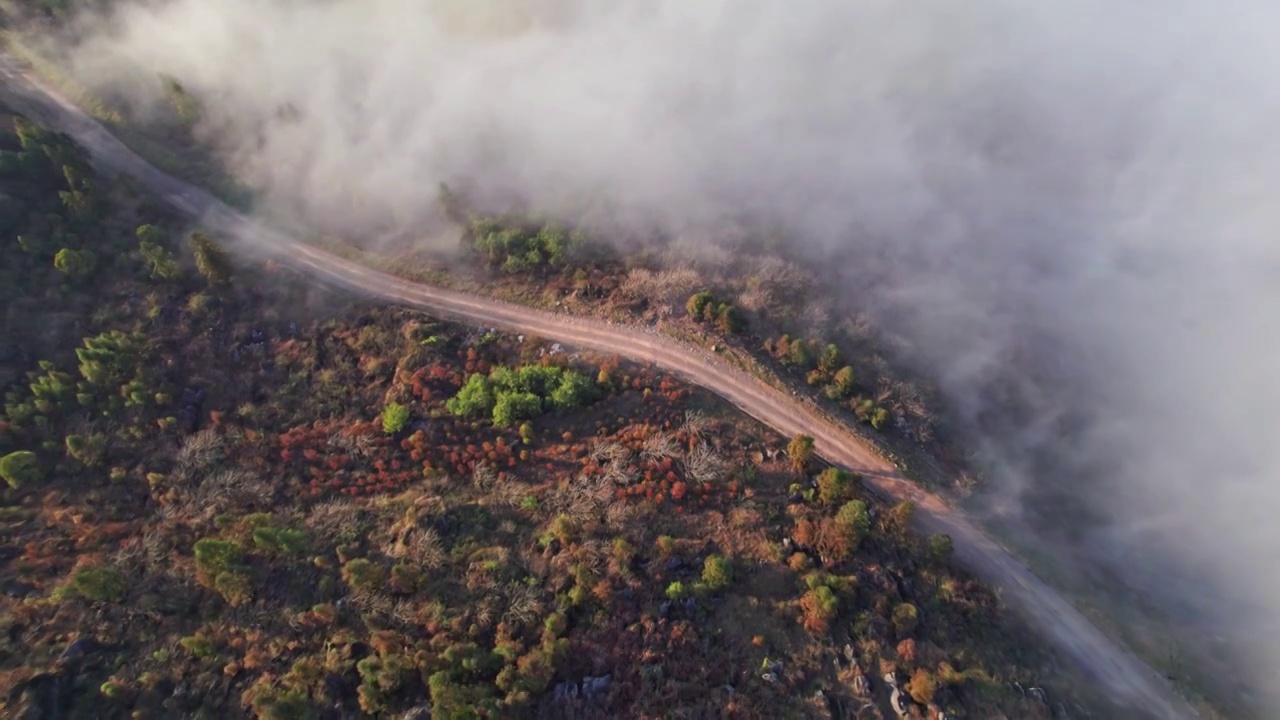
{"x": 861, "y": 687}
{"x": 46, "y": 696}
{"x": 664, "y": 609}
{"x": 420, "y": 712}
{"x": 76, "y": 652}
{"x": 899, "y": 703}
{"x": 594, "y": 688}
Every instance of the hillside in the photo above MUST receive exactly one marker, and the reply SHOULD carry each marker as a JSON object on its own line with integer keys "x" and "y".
{"x": 231, "y": 494}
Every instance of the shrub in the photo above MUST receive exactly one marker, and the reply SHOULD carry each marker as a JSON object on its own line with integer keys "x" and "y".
{"x": 211, "y": 260}
{"x": 394, "y": 418}
{"x": 897, "y": 521}
{"x": 161, "y": 262}
{"x": 234, "y": 586}
{"x": 474, "y": 399}
{"x": 197, "y": 645}
{"x": 216, "y": 556}
{"x": 698, "y": 304}
{"x": 677, "y": 591}
{"x": 511, "y": 407}
{"x": 286, "y": 541}
{"x": 87, "y": 449}
{"x": 717, "y": 573}
{"x": 363, "y": 575}
{"x": 74, "y": 263}
{"x": 99, "y": 584}
{"x": 111, "y": 690}
{"x": 20, "y": 468}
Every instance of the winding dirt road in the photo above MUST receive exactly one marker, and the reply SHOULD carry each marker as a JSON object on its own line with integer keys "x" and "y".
{"x": 1125, "y": 677}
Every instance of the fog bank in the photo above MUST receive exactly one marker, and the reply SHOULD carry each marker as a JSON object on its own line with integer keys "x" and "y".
{"x": 1088, "y": 178}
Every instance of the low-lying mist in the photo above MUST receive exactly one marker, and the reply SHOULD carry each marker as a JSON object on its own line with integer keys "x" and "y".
{"x": 1088, "y": 182}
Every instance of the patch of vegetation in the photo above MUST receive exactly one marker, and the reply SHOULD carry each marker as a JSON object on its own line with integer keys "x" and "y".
{"x": 705, "y": 308}
{"x": 512, "y": 395}
{"x": 313, "y": 506}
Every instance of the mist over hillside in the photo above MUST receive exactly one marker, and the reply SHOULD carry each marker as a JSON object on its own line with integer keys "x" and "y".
{"x": 1083, "y": 182}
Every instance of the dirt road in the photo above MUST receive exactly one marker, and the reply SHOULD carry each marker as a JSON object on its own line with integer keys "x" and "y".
{"x": 1125, "y": 677}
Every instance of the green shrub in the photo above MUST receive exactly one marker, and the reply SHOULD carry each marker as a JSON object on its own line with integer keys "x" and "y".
{"x": 211, "y": 260}
{"x": 677, "y": 591}
{"x": 99, "y": 584}
{"x": 717, "y": 572}
{"x": 216, "y": 556}
{"x": 198, "y": 645}
{"x": 474, "y": 399}
{"x": 74, "y": 263}
{"x": 698, "y": 303}
{"x": 513, "y": 395}
{"x": 853, "y": 515}
{"x": 87, "y": 449}
{"x": 394, "y": 418}
{"x": 286, "y": 541}
{"x": 834, "y": 486}
{"x": 363, "y": 575}
{"x": 20, "y": 468}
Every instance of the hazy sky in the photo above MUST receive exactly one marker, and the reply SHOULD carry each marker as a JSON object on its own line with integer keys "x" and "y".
{"x": 1097, "y": 174}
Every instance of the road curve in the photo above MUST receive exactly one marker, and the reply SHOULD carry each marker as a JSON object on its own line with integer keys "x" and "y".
{"x": 1126, "y": 678}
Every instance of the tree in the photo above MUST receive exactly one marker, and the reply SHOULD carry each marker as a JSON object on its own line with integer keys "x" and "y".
{"x": 852, "y": 522}
{"x": 161, "y": 262}
{"x": 573, "y": 390}
{"x": 74, "y": 263}
{"x": 394, "y": 418}
{"x": 940, "y": 549}
{"x": 698, "y": 303}
{"x": 211, "y": 260}
{"x": 730, "y": 320}
{"x": 830, "y": 359}
{"x": 474, "y": 399}
{"x": 20, "y": 468}
{"x": 879, "y": 417}
{"x": 800, "y": 452}
{"x": 512, "y": 407}
{"x": 801, "y": 355}
{"x": 820, "y": 607}
{"x": 717, "y": 573}
{"x": 922, "y": 687}
{"x": 898, "y": 520}
{"x": 844, "y": 381}
{"x": 834, "y": 486}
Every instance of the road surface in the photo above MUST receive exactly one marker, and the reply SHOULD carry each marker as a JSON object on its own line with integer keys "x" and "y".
{"x": 1127, "y": 679}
